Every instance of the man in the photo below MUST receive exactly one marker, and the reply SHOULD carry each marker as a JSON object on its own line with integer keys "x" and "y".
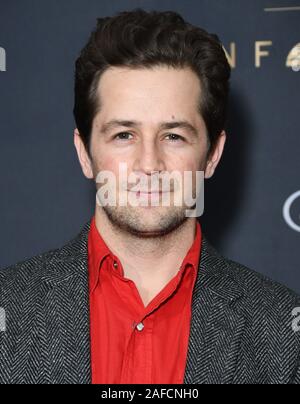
{"x": 140, "y": 296}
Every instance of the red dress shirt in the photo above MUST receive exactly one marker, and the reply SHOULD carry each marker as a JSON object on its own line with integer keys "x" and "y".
{"x": 131, "y": 343}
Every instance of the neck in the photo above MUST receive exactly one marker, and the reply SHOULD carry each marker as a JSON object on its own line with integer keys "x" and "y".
{"x": 145, "y": 257}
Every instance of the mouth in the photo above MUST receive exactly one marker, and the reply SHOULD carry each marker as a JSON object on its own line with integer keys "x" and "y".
{"x": 154, "y": 198}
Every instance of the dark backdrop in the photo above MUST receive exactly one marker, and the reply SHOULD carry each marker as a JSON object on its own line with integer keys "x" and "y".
{"x": 45, "y": 199}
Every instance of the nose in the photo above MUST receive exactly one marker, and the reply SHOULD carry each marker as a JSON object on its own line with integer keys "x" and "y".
{"x": 149, "y": 158}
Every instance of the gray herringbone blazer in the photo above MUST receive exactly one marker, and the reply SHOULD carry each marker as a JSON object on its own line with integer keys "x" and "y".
{"x": 241, "y": 329}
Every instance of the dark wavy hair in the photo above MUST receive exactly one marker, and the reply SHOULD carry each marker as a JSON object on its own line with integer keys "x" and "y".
{"x": 141, "y": 39}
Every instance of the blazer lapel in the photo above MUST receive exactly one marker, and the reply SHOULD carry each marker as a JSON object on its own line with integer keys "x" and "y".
{"x": 216, "y": 326}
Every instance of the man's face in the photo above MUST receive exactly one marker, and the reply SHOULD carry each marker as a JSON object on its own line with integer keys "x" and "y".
{"x": 149, "y": 98}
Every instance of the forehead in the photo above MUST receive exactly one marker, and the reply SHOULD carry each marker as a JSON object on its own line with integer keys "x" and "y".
{"x": 149, "y": 94}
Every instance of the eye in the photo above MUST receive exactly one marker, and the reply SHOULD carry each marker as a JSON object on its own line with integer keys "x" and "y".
{"x": 174, "y": 138}
{"x": 122, "y": 136}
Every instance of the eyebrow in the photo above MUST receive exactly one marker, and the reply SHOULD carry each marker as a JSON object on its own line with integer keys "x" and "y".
{"x": 183, "y": 124}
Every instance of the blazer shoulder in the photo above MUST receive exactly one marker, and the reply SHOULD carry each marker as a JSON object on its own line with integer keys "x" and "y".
{"x": 28, "y": 268}
{"x": 51, "y": 262}
{"x": 254, "y": 283}
{"x": 272, "y": 311}
{"x": 256, "y": 287}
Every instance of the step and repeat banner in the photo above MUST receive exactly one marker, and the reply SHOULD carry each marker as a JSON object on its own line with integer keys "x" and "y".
{"x": 252, "y": 204}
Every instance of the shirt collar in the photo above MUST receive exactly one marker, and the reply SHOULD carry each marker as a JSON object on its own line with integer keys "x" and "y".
{"x": 98, "y": 251}
{"x": 193, "y": 256}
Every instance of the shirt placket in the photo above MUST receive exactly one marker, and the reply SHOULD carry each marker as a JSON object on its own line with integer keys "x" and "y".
{"x": 138, "y": 358}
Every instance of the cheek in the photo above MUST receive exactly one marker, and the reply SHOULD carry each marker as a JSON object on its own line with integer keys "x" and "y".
{"x": 107, "y": 164}
{"x": 189, "y": 162}
{"x": 105, "y": 159}
{"x": 112, "y": 165}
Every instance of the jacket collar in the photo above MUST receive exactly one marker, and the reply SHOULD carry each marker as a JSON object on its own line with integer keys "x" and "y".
{"x": 216, "y": 325}
{"x": 214, "y": 270}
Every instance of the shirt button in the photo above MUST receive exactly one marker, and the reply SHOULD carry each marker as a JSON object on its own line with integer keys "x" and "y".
{"x": 115, "y": 265}
{"x": 140, "y": 327}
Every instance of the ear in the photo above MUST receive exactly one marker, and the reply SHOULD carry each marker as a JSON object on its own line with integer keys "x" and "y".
{"x": 215, "y": 156}
{"x": 83, "y": 157}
